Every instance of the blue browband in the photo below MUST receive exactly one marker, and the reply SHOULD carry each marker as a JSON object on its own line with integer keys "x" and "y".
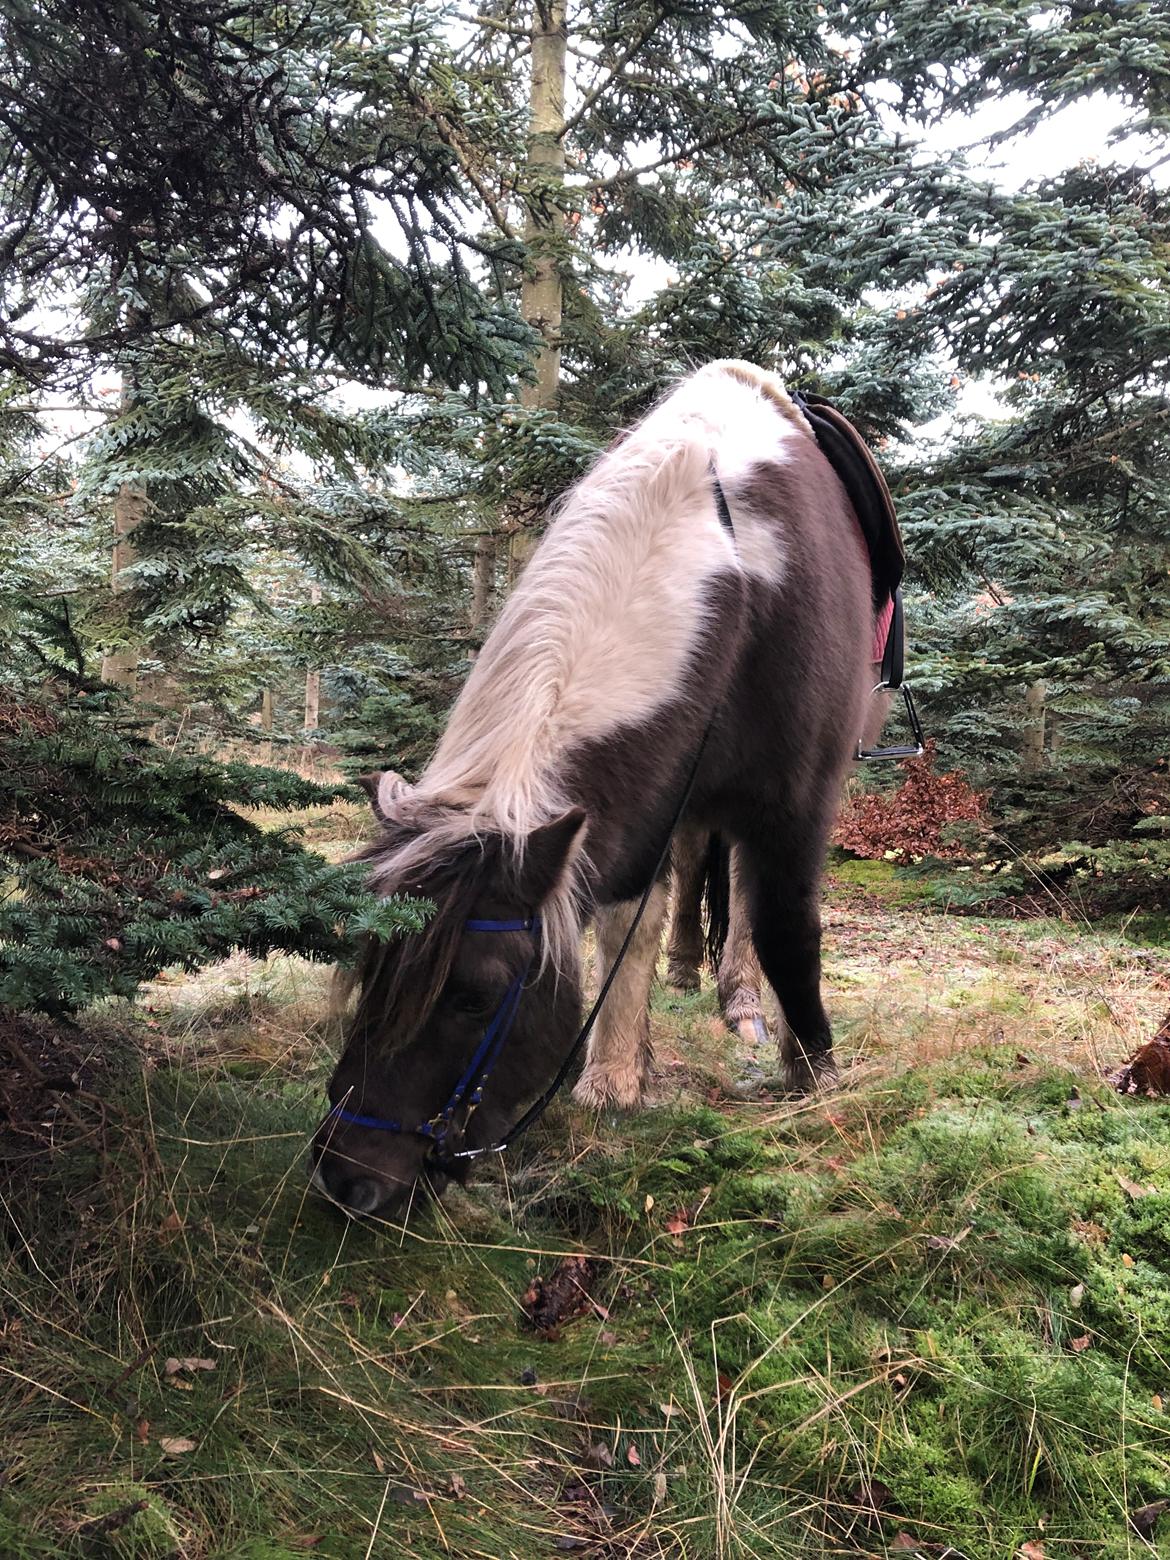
{"x": 469, "y": 1090}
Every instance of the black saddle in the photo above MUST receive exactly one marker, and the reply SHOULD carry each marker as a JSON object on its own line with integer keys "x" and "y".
{"x": 867, "y": 490}
{"x": 861, "y": 476}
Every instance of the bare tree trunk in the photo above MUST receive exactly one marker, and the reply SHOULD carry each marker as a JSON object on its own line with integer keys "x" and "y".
{"x": 541, "y": 295}
{"x": 1033, "y": 753}
{"x": 266, "y": 711}
{"x": 313, "y": 680}
{"x": 312, "y": 700}
{"x": 120, "y": 667}
{"x": 483, "y": 581}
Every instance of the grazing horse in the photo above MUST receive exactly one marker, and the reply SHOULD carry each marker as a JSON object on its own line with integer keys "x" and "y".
{"x": 698, "y": 613}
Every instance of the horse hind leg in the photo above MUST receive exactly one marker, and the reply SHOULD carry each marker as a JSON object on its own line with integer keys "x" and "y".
{"x": 617, "y": 1064}
{"x": 786, "y": 926}
{"x": 684, "y": 949}
{"x": 739, "y": 976}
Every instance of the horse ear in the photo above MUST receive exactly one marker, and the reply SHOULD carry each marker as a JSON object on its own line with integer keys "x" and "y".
{"x": 387, "y": 792}
{"x": 549, "y": 853}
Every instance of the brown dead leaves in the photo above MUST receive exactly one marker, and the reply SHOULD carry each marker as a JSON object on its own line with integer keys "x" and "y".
{"x": 684, "y": 1219}
{"x": 912, "y": 820}
{"x": 177, "y": 1445}
{"x": 567, "y": 1292}
{"x": 1148, "y": 1069}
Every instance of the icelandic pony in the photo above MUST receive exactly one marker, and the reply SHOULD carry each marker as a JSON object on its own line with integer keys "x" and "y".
{"x": 654, "y": 624}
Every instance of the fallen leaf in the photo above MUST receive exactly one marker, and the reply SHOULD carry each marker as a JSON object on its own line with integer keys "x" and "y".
{"x": 871, "y": 1496}
{"x": 176, "y": 1445}
{"x": 669, "y": 1409}
{"x": 1079, "y": 1345}
{"x": 920, "y": 1546}
{"x": 172, "y": 1222}
{"x": 600, "y": 1455}
{"x": 551, "y": 1302}
{"x": 457, "y": 1485}
{"x": 1145, "y": 1518}
{"x": 947, "y": 1242}
{"x": 173, "y": 1366}
{"x": 632, "y": 1456}
{"x": 1133, "y": 1188}
{"x": 677, "y": 1225}
{"x": 606, "y": 1338}
{"x": 1126, "y": 1259}
{"x": 1156, "y": 1402}
{"x": 378, "y": 1463}
{"x": 142, "y": 1431}
{"x": 1076, "y": 1294}
{"x": 1031, "y": 1550}
{"x": 827, "y": 1281}
{"x": 834, "y": 1162}
{"x": 724, "y": 1386}
{"x": 649, "y": 1203}
{"x": 659, "y": 1487}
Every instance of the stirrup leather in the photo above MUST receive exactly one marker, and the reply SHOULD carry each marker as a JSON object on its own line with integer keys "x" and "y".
{"x": 893, "y": 664}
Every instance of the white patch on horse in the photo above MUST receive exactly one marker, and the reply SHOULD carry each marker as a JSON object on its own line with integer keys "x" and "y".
{"x": 599, "y": 631}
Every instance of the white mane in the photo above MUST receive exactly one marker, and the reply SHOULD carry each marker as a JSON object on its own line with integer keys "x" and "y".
{"x": 598, "y": 632}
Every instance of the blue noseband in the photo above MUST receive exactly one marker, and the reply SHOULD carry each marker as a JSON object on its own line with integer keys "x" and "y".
{"x": 469, "y": 1090}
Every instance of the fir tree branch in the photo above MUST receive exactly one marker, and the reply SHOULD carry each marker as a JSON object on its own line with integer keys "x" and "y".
{"x": 607, "y": 80}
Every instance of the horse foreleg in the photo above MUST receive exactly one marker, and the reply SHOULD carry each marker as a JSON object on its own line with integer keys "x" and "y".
{"x": 739, "y": 976}
{"x": 684, "y": 950}
{"x": 617, "y": 1065}
{"x": 786, "y": 925}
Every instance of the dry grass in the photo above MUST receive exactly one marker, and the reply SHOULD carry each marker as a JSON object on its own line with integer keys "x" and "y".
{"x": 923, "y": 1311}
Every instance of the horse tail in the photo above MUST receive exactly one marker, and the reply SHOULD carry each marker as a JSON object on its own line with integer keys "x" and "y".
{"x": 717, "y": 896}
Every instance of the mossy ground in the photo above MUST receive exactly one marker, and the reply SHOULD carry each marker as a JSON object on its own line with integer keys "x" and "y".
{"x": 930, "y": 1309}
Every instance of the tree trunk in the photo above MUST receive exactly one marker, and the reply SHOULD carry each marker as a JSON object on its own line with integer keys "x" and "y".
{"x": 120, "y": 667}
{"x": 266, "y": 711}
{"x": 541, "y": 293}
{"x": 313, "y": 680}
{"x": 1033, "y": 754}
{"x": 483, "y": 582}
{"x": 312, "y": 700}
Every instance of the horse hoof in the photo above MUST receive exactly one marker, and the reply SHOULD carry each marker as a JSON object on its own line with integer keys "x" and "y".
{"x": 682, "y": 979}
{"x": 810, "y": 1074}
{"x": 621, "y": 1089}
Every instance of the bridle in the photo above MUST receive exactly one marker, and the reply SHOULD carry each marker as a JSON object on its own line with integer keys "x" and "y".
{"x": 469, "y": 1090}
{"x": 474, "y": 1079}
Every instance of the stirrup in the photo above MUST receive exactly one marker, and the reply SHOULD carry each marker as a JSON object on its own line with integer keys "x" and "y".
{"x": 893, "y": 660}
{"x": 905, "y": 750}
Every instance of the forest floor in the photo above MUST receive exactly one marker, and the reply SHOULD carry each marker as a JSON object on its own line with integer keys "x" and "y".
{"x": 928, "y": 1313}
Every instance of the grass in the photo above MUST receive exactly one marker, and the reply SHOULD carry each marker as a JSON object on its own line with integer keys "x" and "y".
{"x": 931, "y": 1309}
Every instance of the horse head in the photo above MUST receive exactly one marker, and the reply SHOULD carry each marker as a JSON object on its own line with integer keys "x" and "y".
{"x": 455, "y": 1027}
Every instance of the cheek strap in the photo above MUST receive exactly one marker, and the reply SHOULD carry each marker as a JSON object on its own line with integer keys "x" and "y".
{"x": 469, "y": 1089}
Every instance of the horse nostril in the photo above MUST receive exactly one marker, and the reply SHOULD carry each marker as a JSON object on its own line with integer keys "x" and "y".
{"x": 363, "y": 1194}
{"x": 360, "y": 1193}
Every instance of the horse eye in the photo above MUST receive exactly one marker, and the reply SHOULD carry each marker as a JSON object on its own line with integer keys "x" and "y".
{"x": 464, "y": 1000}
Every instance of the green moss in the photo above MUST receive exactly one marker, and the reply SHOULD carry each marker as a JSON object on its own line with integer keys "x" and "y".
{"x": 893, "y": 1285}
